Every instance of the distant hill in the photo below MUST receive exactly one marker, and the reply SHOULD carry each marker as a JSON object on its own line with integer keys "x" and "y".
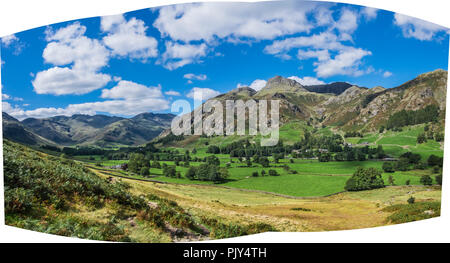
{"x": 80, "y": 129}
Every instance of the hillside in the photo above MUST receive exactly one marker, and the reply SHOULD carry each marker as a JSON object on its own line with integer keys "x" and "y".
{"x": 60, "y": 196}
{"x": 80, "y": 129}
{"x": 341, "y": 106}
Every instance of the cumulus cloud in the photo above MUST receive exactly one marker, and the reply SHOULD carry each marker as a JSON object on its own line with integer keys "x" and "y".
{"x": 63, "y": 81}
{"x": 192, "y": 76}
{"x": 257, "y": 84}
{"x": 307, "y": 81}
{"x": 8, "y": 40}
{"x": 69, "y": 46}
{"x": 347, "y": 62}
{"x": 128, "y": 38}
{"x": 130, "y": 90}
{"x": 205, "y": 93}
{"x": 387, "y": 74}
{"x": 232, "y": 21}
{"x": 126, "y": 98}
{"x": 417, "y": 28}
{"x": 82, "y": 57}
{"x": 369, "y": 13}
{"x": 178, "y": 55}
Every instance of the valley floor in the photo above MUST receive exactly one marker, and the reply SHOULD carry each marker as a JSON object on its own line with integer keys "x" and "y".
{"x": 348, "y": 210}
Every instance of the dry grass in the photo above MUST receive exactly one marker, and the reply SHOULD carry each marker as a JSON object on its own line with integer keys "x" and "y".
{"x": 343, "y": 211}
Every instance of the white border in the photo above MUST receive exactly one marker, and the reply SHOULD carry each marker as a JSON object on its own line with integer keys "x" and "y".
{"x": 19, "y": 15}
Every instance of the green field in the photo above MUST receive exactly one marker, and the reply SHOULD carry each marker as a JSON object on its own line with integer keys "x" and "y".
{"x": 312, "y": 178}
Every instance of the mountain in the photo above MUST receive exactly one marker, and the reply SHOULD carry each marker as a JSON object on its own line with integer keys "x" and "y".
{"x": 101, "y": 130}
{"x": 335, "y": 88}
{"x": 16, "y": 131}
{"x": 342, "y": 106}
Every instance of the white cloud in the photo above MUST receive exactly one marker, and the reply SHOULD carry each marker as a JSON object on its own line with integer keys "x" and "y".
{"x": 232, "y": 21}
{"x": 127, "y": 98}
{"x": 206, "y": 93}
{"x": 8, "y": 97}
{"x": 172, "y": 93}
{"x": 307, "y": 81}
{"x": 347, "y": 62}
{"x": 257, "y": 84}
{"x": 128, "y": 38}
{"x": 416, "y": 28}
{"x": 324, "y": 40}
{"x": 369, "y": 13}
{"x": 8, "y": 40}
{"x": 131, "y": 90}
{"x": 387, "y": 74}
{"x": 178, "y": 55}
{"x": 69, "y": 46}
{"x": 63, "y": 81}
{"x": 348, "y": 22}
{"x": 191, "y": 76}
{"x": 321, "y": 55}
{"x": 83, "y": 58}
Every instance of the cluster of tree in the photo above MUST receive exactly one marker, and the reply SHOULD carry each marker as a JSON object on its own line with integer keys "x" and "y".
{"x": 243, "y": 148}
{"x": 430, "y": 135}
{"x": 409, "y": 160}
{"x": 207, "y": 172}
{"x": 353, "y": 134}
{"x": 139, "y": 164}
{"x": 353, "y": 154}
{"x": 365, "y": 179}
{"x": 411, "y": 117}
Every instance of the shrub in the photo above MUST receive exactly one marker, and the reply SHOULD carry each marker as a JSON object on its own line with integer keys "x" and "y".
{"x": 255, "y": 174}
{"x": 408, "y": 182}
{"x": 273, "y": 173}
{"x": 426, "y": 180}
{"x": 439, "y": 179}
{"x": 388, "y": 167}
{"x": 411, "y": 200}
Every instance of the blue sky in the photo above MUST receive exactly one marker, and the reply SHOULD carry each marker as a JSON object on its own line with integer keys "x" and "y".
{"x": 144, "y": 60}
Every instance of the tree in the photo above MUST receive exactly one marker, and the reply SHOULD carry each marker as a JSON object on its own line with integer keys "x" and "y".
{"x": 264, "y": 161}
{"x": 324, "y": 157}
{"x": 145, "y": 172}
{"x": 388, "y": 167}
{"x": 213, "y": 160}
{"x": 381, "y": 130}
{"x": 438, "y": 179}
{"x": 169, "y": 171}
{"x": 421, "y": 138}
{"x": 365, "y": 179}
{"x": 402, "y": 164}
{"x": 426, "y": 180}
{"x": 433, "y": 160}
{"x": 191, "y": 173}
{"x": 249, "y": 162}
{"x": 137, "y": 162}
{"x": 391, "y": 180}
